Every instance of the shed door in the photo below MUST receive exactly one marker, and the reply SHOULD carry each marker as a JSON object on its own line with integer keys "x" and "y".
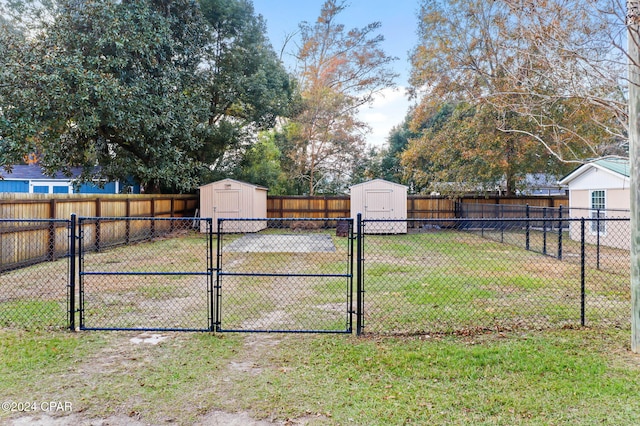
{"x": 377, "y": 204}
{"x": 226, "y": 203}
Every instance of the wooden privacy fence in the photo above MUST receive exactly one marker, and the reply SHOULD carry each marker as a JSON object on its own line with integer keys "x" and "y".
{"x": 45, "y": 236}
{"x": 418, "y": 206}
{"x": 40, "y": 231}
{"x": 46, "y": 206}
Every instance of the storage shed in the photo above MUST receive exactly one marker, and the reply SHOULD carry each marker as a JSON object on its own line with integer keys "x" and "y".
{"x": 600, "y": 189}
{"x": 380, "y": 199}
{"x": 229, "y": 198}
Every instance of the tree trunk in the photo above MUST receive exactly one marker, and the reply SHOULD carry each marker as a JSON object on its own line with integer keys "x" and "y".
{"x": 633, "y": 26}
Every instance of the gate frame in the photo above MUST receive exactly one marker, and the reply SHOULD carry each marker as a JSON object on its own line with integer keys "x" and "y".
{"x": 82, "y": 273}
{"x": 349, "y": 275}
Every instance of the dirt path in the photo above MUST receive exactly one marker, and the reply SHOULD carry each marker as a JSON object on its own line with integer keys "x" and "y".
{"x": 127, "y": 352}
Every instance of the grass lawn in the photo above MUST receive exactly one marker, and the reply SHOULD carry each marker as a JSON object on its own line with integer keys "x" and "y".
{"x": 583, "y": 376}
{"x": 445, "y": 286}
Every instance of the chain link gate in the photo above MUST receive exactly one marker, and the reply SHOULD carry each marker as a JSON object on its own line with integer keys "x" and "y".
{"x": 284, "y": 275}
{"x": 152, "y": 274}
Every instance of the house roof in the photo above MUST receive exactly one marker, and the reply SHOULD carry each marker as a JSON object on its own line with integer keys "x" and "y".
{"x": 34, "y": 172}
{"x": 617, "y": 165}
{"x": 614, "y": 165}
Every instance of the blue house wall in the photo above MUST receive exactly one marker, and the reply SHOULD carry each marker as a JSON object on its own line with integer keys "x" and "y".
{"x": 14, "y": 186}
{"x": 23, "y": 177}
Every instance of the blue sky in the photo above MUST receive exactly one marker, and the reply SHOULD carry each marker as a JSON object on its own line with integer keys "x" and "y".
{"x": 399, "y": 24}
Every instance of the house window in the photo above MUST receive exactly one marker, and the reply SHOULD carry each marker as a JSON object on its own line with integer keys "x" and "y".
{"x": 598, "y": 206}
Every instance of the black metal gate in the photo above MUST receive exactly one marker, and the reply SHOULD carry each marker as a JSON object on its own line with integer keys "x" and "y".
{"x": 145, "y": 274}
{"x": 284, "y": 275}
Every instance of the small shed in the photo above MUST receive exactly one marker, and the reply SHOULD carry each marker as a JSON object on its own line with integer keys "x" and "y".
{"x": 600, "y": 189}
{"x": 380, "y": 199}
{"x": 229, "y": 198}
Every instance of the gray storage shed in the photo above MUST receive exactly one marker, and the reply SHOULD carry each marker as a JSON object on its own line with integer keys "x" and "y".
{"x": 380, "y": 199}
{"x": 229, "y": 198}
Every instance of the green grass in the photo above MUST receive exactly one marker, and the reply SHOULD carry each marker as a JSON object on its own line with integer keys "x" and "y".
{"x": 431, "y": 283}
{"x": 584, "y": 377}
{"x": 33, "y": 313}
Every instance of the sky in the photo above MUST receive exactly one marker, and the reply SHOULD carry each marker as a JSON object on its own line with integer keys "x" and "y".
{"x": 398, "y": 26}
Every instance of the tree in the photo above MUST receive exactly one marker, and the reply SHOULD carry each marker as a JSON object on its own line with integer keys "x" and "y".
{"x": 261, "y": 165}
{"x": 113, "y": 84}
{"x": 247, "y": 87}
{"x": 398, "y": 140}
{"x": 148, "y": 89}
{"x": 338, "y": 72}
{"x": 528, "y": 63}
{"x": 460, "y": 149}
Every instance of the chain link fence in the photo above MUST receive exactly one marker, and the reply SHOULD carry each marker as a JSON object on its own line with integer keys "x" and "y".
{"x": 463, "y": 274}
{"x": 145, "y": 274}
{"x": 34, "y": 273}
{"x": 315, "y": 275}
{"x": 287, "y": 275}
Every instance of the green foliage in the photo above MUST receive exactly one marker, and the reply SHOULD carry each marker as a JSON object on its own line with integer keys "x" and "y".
{"x": 153, "y": 90}
{"x": 246, "y": 85}
{"x": 113, "y": 84}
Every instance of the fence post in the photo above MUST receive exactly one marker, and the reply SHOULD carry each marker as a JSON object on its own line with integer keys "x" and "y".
{"x": 544, "y": 230}
{"x": 582, "y": 272}
{"x": 216, "y": 305}
{"x": 152, "y": 224}
{"x": 212, "y": 324}
{"x": 359, "y": 280}
{"x": 560, "y": 233}
{"x": 598, "y": 239}
{"x": 127, "y": 225}
{"x": 502, "y": 224}
{"x": 51, "y": 250}
{"x": 72, "y": 273}
{"x": 98, "y": 234}
{"x": 528, "y": 226}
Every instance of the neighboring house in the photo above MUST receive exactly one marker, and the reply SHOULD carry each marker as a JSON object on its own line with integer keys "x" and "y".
{"x": 542, "y": 184}
{"x": 29, "y": 179}
{"x": 600, "y": 189}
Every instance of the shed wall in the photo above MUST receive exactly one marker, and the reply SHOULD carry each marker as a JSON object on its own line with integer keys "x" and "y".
{"x": 379, "y": 199}
{"x": 233, "y": 199}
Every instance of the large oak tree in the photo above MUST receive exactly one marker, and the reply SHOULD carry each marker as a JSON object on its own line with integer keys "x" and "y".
{"x": 154, "y": 90}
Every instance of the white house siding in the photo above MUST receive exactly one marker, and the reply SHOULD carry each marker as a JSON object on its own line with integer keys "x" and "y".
{"x": 617, "y": 204}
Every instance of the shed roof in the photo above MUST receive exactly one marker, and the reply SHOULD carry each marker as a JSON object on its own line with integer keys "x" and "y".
{"x": 235, "y": 181}
{"x": 369, "y": 182}
{"x": 614, "y": 165}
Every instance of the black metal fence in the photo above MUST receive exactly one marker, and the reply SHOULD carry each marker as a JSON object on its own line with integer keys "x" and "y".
{"x": 34, "y": 273}
{"x": 457, "y": 275}
{"x": 319, "y": 275}
{"x": 287, "y": 275}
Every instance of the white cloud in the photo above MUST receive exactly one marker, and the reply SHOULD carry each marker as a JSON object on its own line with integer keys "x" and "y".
{"x": 389, "y": 109}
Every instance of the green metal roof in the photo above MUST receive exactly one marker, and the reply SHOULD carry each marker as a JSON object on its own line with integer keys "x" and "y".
{"x": 617, "y": 165}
